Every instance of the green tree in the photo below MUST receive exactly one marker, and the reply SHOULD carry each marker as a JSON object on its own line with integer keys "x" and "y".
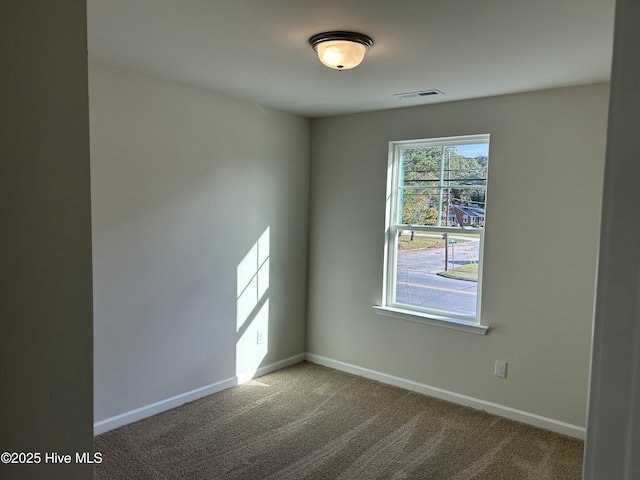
{"x": 422, "y": 172}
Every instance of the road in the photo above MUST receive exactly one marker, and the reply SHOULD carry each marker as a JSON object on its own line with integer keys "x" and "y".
{"x": 417, "y": 282}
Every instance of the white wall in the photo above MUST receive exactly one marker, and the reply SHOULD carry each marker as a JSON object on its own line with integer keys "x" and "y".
{"x": 613, "y": 435}
{"x": 545, "y": 181}
{"x": 184, "y": 183}
{"x": 45, "y": 277}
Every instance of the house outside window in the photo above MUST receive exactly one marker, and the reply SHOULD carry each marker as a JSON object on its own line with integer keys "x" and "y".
{"x": 436, "y": 204}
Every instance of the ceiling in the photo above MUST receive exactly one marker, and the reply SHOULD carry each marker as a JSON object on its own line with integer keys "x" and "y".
{"x": 258, "y": 50}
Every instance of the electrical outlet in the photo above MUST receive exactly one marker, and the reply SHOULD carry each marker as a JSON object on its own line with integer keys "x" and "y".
{"x": 260, "y": 337}
{"x": 501, "y": 369}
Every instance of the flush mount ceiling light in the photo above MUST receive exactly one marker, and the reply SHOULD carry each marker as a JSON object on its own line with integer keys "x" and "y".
{"x": 341, "y": 50}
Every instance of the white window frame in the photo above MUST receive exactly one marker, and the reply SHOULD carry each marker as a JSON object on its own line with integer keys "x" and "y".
{"x": 430, "y": 316}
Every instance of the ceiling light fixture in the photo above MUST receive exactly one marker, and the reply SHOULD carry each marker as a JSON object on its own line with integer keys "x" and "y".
{"x": 341, "y": 50}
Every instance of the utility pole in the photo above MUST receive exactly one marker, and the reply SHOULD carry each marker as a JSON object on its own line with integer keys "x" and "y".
{"x": 441, "y": 193}
{"x": 453, "y": 254}
{"x": 448, "y": 185}
{"x": 446, "y": 250}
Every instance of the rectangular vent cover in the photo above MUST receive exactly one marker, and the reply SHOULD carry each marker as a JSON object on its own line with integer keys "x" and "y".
{"x": 423, "y": 93}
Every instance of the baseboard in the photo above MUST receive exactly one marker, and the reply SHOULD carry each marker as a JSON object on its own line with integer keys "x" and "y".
{"x": 557, "y": 426}
{"x": 107, "y": 424}
{"x": 494, "y": 408}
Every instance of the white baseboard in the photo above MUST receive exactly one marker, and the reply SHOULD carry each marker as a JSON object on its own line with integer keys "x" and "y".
{"x": 557, "y": 426}
{"x": 116, "y": 421}
{"x": 494, "y": 408}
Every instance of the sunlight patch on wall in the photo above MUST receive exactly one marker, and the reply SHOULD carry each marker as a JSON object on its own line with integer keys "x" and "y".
{"x": 252, "y": 316}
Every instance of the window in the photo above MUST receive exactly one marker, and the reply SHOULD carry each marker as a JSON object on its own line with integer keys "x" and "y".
{"x": 435, "y": 230}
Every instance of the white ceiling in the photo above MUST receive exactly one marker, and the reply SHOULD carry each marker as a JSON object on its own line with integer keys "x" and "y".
{"x": 258, "y": 50}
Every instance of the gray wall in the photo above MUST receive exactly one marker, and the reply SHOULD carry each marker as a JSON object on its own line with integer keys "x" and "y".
{"x": 184, "y": 184}
{"x": 545, "y": 181}
{"x": 613, "y": 435}
{"x": 45, "y": 278}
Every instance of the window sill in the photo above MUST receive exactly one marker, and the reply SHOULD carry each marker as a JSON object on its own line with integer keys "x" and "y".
{"x": 430, "y": 319}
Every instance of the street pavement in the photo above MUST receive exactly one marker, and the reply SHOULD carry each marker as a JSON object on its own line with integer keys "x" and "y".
{"x": 418, "y": 284}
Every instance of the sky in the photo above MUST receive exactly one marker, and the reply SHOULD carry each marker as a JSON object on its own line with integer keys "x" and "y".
{"x": 473, "y": 150}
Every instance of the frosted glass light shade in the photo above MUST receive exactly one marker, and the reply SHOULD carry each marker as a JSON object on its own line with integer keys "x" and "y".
{"x": 341, "y": 50}
{"x": 341, "y": 54}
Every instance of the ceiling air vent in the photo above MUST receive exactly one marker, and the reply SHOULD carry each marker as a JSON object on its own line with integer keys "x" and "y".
{"x": 423, "y": 93}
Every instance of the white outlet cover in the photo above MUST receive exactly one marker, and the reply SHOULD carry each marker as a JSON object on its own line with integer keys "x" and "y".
{"x": 500, "y": 369}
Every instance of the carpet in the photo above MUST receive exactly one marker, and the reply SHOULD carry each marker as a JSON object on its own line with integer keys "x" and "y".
{"x": 312, "y": 422}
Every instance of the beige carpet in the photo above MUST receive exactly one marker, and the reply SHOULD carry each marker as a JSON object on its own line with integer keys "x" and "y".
{"x": 312, "y": 422}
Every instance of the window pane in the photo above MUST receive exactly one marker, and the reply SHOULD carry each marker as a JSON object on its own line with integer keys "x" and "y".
{"x": 433, "y": 180}
{"x": 431, "y": 276}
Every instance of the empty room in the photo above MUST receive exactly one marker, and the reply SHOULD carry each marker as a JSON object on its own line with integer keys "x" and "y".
{"x": 343, "y": 239}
